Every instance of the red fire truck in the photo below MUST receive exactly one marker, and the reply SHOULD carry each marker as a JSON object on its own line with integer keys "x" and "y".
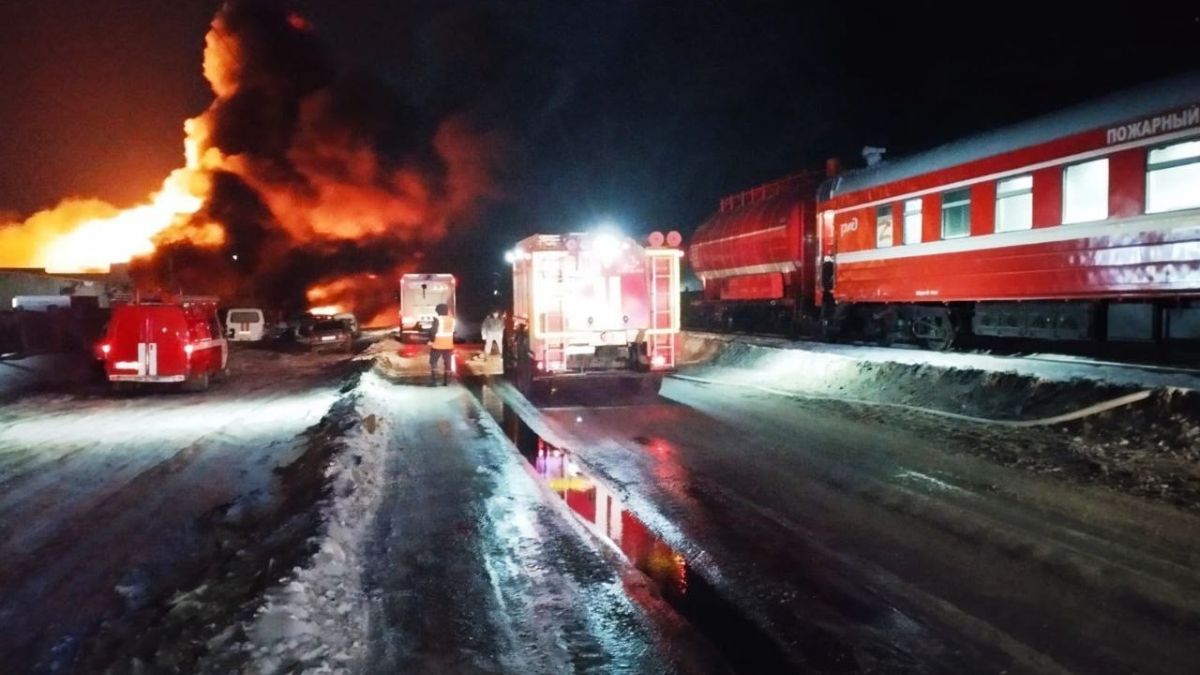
{"x": 592, "y": 306}
{"x": 170, "y": 339}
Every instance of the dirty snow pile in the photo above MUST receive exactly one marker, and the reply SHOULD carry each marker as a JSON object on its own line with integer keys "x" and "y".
{"x": 1149, "y": 447}
{"x": 315, "y": 622}
{"x": 387, "y": 345}
{"x": 843, "y": 376}
{"x": 397, "y": 360}
{"x": 700, "y": 347}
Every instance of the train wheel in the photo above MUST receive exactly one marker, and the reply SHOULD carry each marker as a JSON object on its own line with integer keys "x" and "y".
{"x": 934, "y": 329}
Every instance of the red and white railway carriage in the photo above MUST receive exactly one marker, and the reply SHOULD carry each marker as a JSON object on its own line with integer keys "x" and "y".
{"x": 1083, "y": 224}
{"x": 1099, "y": 205}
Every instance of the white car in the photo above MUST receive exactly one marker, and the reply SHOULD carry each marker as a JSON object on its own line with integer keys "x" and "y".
{"x": 351, "y": 323}
{"x": 245, "y": 324}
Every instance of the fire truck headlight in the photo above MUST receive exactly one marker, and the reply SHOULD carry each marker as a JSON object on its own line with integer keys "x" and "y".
{"x": 607, "y": 247}
{"x": 106, "y": 349}
{"x": 188, "y": 349}
{"x": 658, "y": 361}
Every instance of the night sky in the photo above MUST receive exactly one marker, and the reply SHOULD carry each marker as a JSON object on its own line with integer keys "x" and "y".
{"x": 645, "y": 113}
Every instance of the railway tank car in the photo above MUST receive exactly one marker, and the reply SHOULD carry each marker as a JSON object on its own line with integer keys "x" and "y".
{"x": 1080, "y": 225}
{"x": 754, "y": 258}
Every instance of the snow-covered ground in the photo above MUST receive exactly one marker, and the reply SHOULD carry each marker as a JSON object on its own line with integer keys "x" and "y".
{"x": 316, "y": 620}
{"x": 107, "y": 503}
{"x": 1116, "y": 427}
{"x": 437, "y": 550}
{"x": 304, "y": 519}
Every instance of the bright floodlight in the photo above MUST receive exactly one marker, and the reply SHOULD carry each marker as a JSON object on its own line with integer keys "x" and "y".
{"x": 607, "y": 246}
{"x": 510, "y": 257}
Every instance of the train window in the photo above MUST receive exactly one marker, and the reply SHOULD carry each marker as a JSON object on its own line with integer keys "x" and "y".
{"x": 1172, "y": 177}
{"x": 1014, "y": 204}
{"x": 912, "y": 221}
{"x": 956, "y": 213}
{"x": 883, "y": 226}
{"x": 1085, "y": 191}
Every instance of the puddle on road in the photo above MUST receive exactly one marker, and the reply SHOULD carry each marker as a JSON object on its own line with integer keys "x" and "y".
{"x": 745, "y": 647}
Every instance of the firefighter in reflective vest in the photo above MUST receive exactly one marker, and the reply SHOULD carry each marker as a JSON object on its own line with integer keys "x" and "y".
{"x": 442, "y": 346}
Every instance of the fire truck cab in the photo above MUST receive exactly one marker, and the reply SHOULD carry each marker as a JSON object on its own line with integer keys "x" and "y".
{"x": 175, "y": 339}
{"x": 588, "y": 306}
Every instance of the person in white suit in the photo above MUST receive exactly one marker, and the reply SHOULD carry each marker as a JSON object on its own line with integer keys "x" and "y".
{"x": 493, "y": 333}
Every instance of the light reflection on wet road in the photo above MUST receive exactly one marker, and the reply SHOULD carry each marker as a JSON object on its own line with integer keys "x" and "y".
{"x": 818, "y": 530}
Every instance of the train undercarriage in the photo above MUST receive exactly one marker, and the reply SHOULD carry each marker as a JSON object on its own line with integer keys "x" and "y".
{"x": 942, "y": 326}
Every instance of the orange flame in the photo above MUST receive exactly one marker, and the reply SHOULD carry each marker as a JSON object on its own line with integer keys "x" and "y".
{"x": 81, "y": 235}
{"x": 342, "y": 190}
{"x": 90, "y": 234}
{"x": 367, "y": 295}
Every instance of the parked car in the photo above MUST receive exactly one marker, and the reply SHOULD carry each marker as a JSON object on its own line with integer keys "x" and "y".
{"x": 171, "y": 340}
{"x": 280, "y": 331}
{"x": 245, "y": 324}
{"x": 327, "y": 334}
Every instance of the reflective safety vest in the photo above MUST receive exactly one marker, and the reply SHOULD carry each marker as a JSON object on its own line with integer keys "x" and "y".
{"x": 444, "y": 338}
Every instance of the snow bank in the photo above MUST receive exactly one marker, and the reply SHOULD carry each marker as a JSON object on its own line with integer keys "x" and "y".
{"x": 1150, "y": 447}
{"x": 959, "y": 390}
{"x": 699, "y": 347}
{"x": 315, "y": 621}
{"x": 386, "y": 345}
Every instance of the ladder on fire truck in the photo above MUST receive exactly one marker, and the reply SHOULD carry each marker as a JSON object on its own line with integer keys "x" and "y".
{"x": 554, "y": 327}
{"x": 662, "y": 331}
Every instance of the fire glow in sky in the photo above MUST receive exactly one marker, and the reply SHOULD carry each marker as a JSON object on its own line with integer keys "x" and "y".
{"x": 283, "y": 171}
{"x": 81, "y": 235}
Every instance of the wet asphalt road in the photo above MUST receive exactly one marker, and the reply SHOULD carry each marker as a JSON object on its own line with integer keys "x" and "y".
{"x": 472, "y": 569}
{"x": 877, "y": 546}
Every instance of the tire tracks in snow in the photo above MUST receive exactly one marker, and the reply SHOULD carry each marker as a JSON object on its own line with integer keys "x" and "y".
{"x": 99, "y": 551}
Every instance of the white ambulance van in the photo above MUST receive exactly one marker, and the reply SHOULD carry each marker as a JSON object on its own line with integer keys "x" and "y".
{"x": 245, "y": 324}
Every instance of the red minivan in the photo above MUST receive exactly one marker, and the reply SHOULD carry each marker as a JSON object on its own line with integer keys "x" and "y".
{"x": 173, "y": 340}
